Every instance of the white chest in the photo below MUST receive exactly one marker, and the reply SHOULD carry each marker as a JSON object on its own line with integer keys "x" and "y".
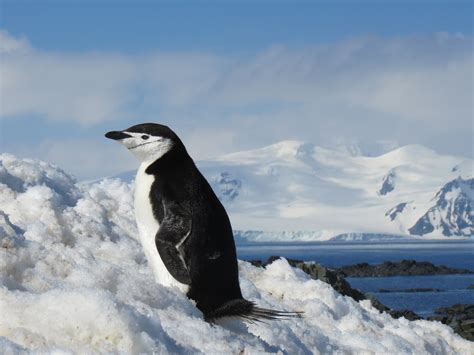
{"x": 146, "y": 222}
{"x": 148, "y": 227}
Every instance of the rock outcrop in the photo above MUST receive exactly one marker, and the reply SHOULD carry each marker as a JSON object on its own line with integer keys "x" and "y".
{"x": 400, "y": 268}
{"x": 460, "y": 317}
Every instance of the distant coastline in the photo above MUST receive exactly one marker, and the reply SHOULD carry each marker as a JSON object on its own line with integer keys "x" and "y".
{"x": 399, "y": 268}
{"x": 399, "y": 240}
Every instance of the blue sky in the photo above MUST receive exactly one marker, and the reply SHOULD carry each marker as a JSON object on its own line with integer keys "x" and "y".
{"x": 232, "y": 75}
{"x": 222, "y": 27}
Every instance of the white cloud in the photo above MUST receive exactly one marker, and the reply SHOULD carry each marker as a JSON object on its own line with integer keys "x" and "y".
{"x": 366, "y": 72}
{"x": 87, "y": 89}
{"x": 86, "y": 158}
{"x": 209, "y": 142}
{"x": 9, "y": 44}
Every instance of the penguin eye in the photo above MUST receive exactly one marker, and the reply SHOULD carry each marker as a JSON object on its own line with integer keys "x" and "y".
{"x": 145, "y": 137}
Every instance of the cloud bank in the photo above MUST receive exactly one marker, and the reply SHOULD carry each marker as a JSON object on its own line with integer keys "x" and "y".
{"x": 408, "y": 89}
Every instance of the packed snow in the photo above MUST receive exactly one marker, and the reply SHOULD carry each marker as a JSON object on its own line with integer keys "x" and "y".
{"x": 74, "y": 278}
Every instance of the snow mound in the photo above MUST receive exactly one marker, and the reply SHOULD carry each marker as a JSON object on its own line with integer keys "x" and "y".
{"x": 73, "y": 277}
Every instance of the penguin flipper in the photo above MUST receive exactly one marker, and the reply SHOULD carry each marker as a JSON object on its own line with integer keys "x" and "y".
{"x": 169, "y": 244}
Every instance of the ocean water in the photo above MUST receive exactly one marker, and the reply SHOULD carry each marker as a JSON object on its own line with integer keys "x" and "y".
{"x": 453, "y": 288}
{"x": 458, "y": 254}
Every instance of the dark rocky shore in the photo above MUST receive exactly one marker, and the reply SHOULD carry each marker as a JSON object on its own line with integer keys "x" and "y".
{"x": 405, "y": 290}
{"x": 458, "y": 317}
{"x": 401, "y": 268}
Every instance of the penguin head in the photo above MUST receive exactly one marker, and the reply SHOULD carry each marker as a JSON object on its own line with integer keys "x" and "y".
{"x": 147, "y": 141}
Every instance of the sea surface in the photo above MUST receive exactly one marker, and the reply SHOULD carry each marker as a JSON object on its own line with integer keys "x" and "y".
{"x": 452, "y": 288}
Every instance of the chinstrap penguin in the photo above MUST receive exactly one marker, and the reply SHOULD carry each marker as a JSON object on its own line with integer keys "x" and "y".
{"x": 184, "y": 229}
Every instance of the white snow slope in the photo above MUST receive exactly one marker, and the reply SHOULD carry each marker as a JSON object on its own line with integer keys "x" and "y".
{"x": 73, "y": 278}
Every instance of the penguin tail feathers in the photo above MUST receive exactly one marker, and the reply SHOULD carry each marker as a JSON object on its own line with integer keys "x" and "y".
{"x": 249, "y": 312}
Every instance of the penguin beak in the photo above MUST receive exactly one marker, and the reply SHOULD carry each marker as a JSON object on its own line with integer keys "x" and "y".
{"x": 117, "y": 135}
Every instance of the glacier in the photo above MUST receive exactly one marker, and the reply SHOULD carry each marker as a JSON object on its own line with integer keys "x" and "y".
{"x": 73, "y": 278}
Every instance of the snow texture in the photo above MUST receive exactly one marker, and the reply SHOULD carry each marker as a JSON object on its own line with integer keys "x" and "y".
{"x": 74, "y": 278}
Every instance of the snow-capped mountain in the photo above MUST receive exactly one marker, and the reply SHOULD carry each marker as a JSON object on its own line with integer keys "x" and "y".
{"x": 453, "y": 211}
{"x": 294, "y": 190}
{"x": 296, "y": 186}
{"x": 356, "y": 147}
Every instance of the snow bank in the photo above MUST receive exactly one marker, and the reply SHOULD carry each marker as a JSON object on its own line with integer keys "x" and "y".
{"x": 74, "y": 278}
